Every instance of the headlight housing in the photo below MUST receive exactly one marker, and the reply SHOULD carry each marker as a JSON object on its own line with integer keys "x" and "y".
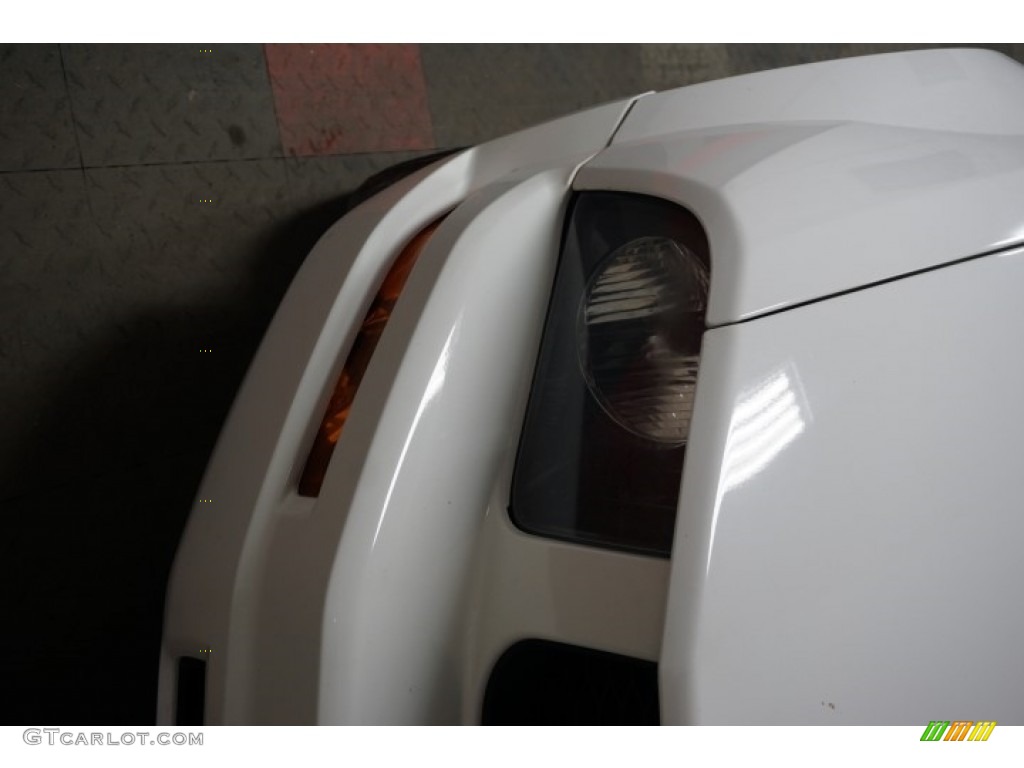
{"x": 601, "y": 454}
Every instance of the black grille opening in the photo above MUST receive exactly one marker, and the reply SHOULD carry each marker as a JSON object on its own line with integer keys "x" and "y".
{"x": 538, "y": 682}
{"x": 191, "y": 703}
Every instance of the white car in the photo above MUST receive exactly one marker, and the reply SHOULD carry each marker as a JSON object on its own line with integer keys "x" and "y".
{"x": 482, "y": 512}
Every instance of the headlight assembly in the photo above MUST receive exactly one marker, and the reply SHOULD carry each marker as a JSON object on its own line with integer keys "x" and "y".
{"x": 601, "y": 454}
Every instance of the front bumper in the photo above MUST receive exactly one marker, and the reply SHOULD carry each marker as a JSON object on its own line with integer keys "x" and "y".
{"x": 367, "y": 603}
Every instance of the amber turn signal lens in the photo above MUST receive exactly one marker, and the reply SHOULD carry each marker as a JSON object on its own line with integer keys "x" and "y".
{"x": 358, "y": 360}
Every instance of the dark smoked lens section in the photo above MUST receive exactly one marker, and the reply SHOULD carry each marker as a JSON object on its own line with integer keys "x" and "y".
{"x": 579, "y": 476}
{"x": 538, "y": 682}
{"x": 191, "y": 704}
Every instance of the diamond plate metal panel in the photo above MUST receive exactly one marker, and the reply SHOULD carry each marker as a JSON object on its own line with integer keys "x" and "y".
{"x": 137, "y": 104}
{"x": 111, "y": 287}
{"x": 334, "y": 99}
{"x": 35, "y": 130}
{"x": 111, "y": 282}
{"x": 189, "y": 215}
{"x": 760, "y": 56}
{"x": 480, "y": 92}
{"x": 667, "y": 66}
{"x": 44, "y": 228}
{"x": 314, "y": 181}
{"x": 45, "y": 221}
{"x": 84, "y": 573}
{"x": 673, "y": 66}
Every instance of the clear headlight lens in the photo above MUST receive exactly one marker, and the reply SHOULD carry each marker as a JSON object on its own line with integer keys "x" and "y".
{"x": 638, "y": 328}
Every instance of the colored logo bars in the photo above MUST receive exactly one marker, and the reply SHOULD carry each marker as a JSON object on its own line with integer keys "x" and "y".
{"x": 958, "y": 730}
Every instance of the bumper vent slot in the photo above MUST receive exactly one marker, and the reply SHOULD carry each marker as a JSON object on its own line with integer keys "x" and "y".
{"x": 191, "y": 702}
{"x": 538, "y": 682}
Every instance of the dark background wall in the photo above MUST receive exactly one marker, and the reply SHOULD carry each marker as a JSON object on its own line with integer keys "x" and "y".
{"x": 155, "y": 201}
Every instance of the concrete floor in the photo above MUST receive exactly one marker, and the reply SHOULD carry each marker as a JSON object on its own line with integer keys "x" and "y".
{"x": 155, "y": 200}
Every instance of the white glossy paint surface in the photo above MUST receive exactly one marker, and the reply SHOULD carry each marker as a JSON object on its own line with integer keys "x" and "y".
{"x": 960, "y": 90}
{"x": 848, "y": 544}
{"x": 416, "y": 465}
{"x": 530, "y": 587}
{"x": 229, "y": 588}
{"x": 818, "y": 179}
{"x": 848, "y": 519}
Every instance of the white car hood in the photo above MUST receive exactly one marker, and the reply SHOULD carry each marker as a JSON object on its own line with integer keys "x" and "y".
{"x": 813, "y": 181}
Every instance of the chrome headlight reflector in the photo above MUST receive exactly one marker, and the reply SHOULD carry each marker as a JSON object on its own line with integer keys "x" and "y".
{"x": 639, "y": 327}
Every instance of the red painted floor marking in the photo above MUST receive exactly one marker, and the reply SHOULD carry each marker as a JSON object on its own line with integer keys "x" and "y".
{"x": 339, "y": 99}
